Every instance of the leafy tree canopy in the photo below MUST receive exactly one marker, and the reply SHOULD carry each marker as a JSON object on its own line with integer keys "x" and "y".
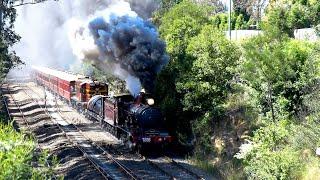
{"x": 178, "y": 26}
{"x": 206, "y": 85}
{"x": 8, "y": 37}
{"x": 288, "y": 15}
{"x": 279, "y": 68}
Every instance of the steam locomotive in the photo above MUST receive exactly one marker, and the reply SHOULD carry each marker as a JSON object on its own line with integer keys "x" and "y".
{"x": 133, "y": 120}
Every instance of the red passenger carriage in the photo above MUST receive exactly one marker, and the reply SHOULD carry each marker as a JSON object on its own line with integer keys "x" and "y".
{"x": 60, "y": 83}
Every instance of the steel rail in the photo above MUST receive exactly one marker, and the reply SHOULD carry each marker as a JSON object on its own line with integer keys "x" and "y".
{"x": 175, "y": 163}
{"x": 23, "y": 118}
{"x": 172, "y": 177}
{"x": 184, "y": 168}
{"x": 105, "y": 174}
{"x": 105, "y": 152}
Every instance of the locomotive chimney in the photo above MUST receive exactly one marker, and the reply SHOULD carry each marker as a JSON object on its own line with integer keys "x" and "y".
{"x": 139, "y": 99}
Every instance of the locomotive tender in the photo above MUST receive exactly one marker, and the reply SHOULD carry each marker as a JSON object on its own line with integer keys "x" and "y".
{"x": 134, "y": 120}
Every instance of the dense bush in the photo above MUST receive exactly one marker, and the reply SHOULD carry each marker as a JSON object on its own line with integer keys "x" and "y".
{"x": 17, "y": 155}
{"x": 282, "y": 150}
{"x": 178, "y": 26}
{"x": 202, "y": 64}
{"x": 266, "y": 87}
{"x": 291, "y": 14}
{"x": 238, "y": 22}
{"x": 284, "y": 72}
{"x": 280, "y": 70}
{"x": 205, "y": 86}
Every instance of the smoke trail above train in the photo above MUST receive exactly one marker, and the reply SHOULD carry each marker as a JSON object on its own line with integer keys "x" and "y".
{"x": 108, "y": 34}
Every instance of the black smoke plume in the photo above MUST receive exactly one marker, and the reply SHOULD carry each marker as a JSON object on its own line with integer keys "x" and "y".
{"x": 133, "y": 43}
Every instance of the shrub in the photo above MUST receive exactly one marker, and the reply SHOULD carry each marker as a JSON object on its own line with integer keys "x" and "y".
{"x": 280, "y": 164}
{"x": 16, "y": 156}
{"x": 267, "y": 155}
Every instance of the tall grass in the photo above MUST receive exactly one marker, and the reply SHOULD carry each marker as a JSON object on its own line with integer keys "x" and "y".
{"x": 17, "y": 156}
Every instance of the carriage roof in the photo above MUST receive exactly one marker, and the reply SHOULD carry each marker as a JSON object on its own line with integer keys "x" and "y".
{"x": 59, "y": 74}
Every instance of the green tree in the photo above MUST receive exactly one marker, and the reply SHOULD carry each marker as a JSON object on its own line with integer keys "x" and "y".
{"x": 277, "y": 20}
{"x": 8, "y": 37}
{"x": 239, "y": 22}
{"x": 205, "y": 86}
{"x": 8, "y": 58}
{"x": 299, "y": 16}
{"x": 182, "y": 22}
{"x": 288, "y": 15}
{"x": 279, "y": 69}
{"x": 164, "y": 7}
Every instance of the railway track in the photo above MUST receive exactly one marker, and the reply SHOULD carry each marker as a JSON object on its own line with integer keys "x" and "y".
{"x": 173, "y": 169}
{"x": 138, "y": 167}
{"x": 23, "y": 117}
{"x": 99, "y": 157}
{"x": 98, "y": 167}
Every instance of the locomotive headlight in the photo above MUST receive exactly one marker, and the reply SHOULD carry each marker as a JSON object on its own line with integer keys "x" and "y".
{"x": 150, "y": 101}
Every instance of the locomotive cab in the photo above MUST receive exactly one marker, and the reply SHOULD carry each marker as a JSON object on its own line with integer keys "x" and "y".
{"x": 132, "y": 118}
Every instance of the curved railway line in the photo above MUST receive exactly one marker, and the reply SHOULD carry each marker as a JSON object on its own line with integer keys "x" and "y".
{"x": 102, "y": 158}
{"x": 93, "y": 153}
{"x": 107, "y": 152}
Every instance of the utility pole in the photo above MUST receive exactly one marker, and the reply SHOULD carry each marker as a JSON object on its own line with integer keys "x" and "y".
{"x": 229, "y": 20}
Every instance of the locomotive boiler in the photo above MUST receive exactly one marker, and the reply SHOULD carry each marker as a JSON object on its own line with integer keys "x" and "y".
{"x": 134, "y": 120}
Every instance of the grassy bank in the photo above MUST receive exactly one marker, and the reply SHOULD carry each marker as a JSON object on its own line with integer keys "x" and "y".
{"x": 19, "y": 158}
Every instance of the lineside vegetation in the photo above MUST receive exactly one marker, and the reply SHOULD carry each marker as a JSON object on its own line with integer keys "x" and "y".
{"x": 19, "y": 158}
{"x": 250, "y": 109}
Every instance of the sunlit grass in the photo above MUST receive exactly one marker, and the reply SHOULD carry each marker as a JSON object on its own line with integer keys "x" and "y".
{"x": 17, "y": 154}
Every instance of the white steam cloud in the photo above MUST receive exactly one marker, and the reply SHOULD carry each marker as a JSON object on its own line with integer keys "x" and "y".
{"x": 44, "y": 30}
{"x": 108, "y": 33}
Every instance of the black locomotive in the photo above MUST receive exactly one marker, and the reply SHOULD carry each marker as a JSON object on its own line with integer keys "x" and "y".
{"x": 133, "y": 120}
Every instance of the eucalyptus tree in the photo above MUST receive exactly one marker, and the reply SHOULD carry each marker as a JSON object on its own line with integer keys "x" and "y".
{"x": 8, "y": 37}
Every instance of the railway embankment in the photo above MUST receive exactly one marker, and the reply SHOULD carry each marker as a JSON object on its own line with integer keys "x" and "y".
{"x": 31, "y": 119}
{"x": 20, "y": 156}
{"x": 80, "y": 147}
